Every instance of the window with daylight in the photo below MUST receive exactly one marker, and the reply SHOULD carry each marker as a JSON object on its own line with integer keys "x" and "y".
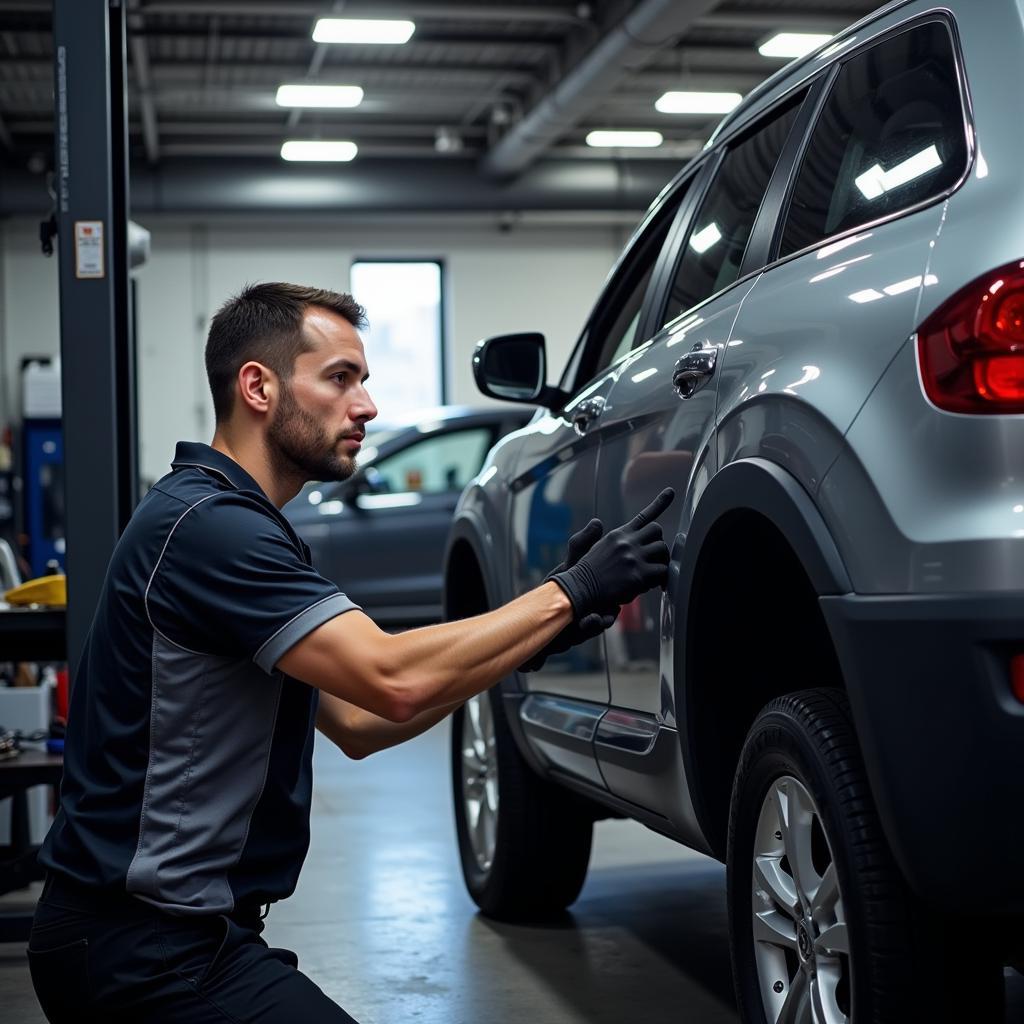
{"x": 405, "y": 336}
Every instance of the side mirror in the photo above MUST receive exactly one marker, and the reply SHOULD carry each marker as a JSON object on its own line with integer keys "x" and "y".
{"x": 513, "y": 367}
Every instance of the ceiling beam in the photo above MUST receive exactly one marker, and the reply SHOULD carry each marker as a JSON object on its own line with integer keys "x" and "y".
{"x": 626, "y": 48}
{"x": 35, "y": 72}
{"x": 782, "y": 21}
{"x": 271, "y": 129}
{"x": 563, "y": 13}
{"x": 223, "y": 187}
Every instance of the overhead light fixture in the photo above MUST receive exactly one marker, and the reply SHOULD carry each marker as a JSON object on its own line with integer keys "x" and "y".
{"x": 788, "y": 45}
{"x": 319, "y": 95}
{"x": 638, "y": 139}
{"x": 697, "y": 102}
{"x": 336, "y": 152}
{"x": 875, "y": 182}
{"x": 362, "y": 30}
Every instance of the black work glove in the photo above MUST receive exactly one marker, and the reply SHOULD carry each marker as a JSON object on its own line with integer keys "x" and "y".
{"x": 627, "y": 562}
{"x": 578, "y": 631}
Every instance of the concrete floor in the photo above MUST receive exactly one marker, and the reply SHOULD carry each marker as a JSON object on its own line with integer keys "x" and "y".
{"x": 381, "y": 920}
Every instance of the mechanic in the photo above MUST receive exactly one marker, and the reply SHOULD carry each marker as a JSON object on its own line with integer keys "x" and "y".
{"x": 187, "y": 780}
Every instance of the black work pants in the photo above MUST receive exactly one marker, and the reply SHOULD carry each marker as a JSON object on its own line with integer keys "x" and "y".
{"x": 119, "y": 960}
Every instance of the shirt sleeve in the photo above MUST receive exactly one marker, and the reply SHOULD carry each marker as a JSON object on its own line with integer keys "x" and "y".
{"x": 231, "y": 582}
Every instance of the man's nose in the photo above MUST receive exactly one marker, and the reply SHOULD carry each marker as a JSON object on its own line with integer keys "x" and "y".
{"x": 366, "y": 410}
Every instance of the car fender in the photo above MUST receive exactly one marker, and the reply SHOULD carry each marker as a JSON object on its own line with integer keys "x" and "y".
{"x": 761, "y": 486}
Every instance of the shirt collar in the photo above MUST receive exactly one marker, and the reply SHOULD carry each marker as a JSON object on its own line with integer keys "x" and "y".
{"x": 202, "y": 456}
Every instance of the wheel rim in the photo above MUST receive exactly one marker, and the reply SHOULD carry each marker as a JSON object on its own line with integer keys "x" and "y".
{"x": 801, "y": 943}
{"x": 480, "y": 779}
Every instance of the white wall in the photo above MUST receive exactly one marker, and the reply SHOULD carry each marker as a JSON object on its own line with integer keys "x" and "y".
{"x": 30, "y": 322}
{"x": 541, "y": 278}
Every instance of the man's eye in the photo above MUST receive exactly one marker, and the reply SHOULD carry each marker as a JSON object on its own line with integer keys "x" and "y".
{"x": 339, "y": 377}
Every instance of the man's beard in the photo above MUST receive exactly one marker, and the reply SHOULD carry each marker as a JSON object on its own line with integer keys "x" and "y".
{"x": 298, "y": 445}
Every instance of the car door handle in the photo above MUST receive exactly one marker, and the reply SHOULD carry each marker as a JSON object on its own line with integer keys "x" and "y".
{"x": 694, "y": 370}
{"x": 585, "y": 413}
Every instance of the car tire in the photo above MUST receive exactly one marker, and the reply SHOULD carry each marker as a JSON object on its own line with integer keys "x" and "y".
{"x": 534, "y": 857}
{"x": 854, "y": 943}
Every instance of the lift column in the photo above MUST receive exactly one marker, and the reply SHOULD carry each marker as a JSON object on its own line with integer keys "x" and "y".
{"x": 97, "y": 364}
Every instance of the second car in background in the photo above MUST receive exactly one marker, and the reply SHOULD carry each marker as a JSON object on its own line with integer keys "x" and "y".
{"x": 381, "y": 534}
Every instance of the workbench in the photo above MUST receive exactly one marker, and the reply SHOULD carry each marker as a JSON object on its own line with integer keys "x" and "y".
{"x": 26, "y": 634}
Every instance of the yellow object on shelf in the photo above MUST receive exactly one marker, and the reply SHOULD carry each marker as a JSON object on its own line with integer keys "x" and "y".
{"x": 51, "y": 590}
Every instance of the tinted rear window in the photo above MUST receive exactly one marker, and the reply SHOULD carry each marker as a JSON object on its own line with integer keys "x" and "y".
{"x": 891, "y": 134}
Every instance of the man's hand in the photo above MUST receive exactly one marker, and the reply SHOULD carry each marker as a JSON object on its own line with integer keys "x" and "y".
{"x": 592, "y": 625}
{"x": 621, "y": 565}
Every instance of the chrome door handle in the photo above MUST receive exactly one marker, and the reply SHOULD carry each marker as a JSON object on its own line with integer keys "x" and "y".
{"x": 585, "y": 413}
{"x": 694, "y": 370}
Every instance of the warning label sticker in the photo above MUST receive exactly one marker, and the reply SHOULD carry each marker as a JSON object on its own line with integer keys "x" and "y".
{"x": 89, "y": 260}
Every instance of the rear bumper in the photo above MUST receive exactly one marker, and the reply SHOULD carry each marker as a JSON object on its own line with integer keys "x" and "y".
{"x": 943, "y": 738}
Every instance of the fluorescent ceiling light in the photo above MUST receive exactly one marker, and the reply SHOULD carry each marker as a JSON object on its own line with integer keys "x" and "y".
{"x": 362, "y": 30}
{"x": 867, "y": 295}
{"x": 702, "y": 240}
{"x": 875, "y": 182}
{"x": 297, "y": 149}
{"x": 319, "y": 96}
{"x": 792, "y": 44}
{"x": 636, "y": 139}
{"x": 697, "y": 102}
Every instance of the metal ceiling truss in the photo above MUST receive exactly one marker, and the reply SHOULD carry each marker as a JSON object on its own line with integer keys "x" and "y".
{"x": 501, "y": 84}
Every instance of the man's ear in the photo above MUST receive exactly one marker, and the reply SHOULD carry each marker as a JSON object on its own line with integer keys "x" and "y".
{"x": 258, "y": 386}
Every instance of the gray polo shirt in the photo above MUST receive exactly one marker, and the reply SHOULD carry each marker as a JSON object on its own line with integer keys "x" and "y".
{"x": 188, "y": 762}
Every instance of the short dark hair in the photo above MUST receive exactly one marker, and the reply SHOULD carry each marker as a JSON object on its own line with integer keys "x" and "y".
{"x": 263, "y": 322}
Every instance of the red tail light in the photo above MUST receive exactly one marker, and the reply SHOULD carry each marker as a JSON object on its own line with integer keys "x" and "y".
{"x": 1017, "y": 676}
{"x": 971, "y": 348}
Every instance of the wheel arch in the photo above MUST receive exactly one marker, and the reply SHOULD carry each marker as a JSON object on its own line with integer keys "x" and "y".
{"x": 754, "y": 562}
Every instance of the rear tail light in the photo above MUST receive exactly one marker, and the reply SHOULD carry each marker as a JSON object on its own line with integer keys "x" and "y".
{"x": 971, "y": 349}
{"x": 1017, "y": 676}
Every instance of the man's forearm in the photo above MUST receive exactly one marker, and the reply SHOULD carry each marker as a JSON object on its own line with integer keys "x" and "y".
{"x": 399, "y": 677}
{"x": 440, "y": 665}
{"x": 358, "y": 733}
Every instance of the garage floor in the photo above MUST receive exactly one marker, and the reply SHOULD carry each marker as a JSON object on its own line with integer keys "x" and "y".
{"x": 382, "y": 923}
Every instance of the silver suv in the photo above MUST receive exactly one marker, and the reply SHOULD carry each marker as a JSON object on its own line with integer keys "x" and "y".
{"x": 816, "y": 336}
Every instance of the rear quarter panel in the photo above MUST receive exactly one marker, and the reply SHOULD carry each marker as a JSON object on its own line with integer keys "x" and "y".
{"x": 923, "y": 500}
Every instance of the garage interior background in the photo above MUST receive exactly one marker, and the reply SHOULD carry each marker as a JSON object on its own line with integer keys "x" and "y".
{"x": 471, "y": 149}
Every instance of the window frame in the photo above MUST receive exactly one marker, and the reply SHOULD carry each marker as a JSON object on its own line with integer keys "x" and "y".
{"x": 833, "y": 72}
{"x": 580, "y": 369}
{"x": 756, "y": 252}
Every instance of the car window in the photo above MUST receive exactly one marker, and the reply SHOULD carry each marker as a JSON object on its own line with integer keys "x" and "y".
{"x": 622, "y": 336}
{"x": 443, "y": 462}
{"x": 613, "y": 327}
{"x": 890, "y": 135}
{"x": 713, "y": 252}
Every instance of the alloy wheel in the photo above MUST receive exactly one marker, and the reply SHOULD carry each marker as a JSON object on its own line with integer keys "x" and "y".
{"x": 801, "y": 944}
{"x": 480, "y": 778}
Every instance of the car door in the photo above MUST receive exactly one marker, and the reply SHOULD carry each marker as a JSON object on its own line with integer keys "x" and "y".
{"x": 553, "y": 488}
{"x": 385, "y": 547}
{"x": 660, "y": 411}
